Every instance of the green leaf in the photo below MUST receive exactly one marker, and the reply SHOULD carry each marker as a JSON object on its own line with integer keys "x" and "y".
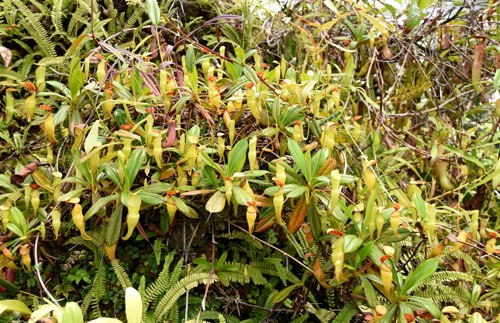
{"x": 351, "y": 243}
{"x": 72, "y": 313}
{"x": 153, "y": 11}
{"x": 391, "y": 312}
{"x": 346, "y": 314}
{"x": 413, "y": 15}
{"x": 294, "y": 190}
{"x": 250, "y": 74}
{"x": 8, "y": 286}
{"x": 216, "y": 202}
{"x": 71, "y": 194}
{"x": 419, "y": 275}
{"x": 99, "y": 205}
{"x": 14, "y": 306}
{"x": 422, "y": 4}
{"x": 419, "y": 204}
{"x": 240, "y": 196}
{"x": 113, "y": 175}
{"x": 134, "y": 163}
{"x": 209, "y": 161}
{"x": 298, "y": 157}
{"x": 114, "y": 226}
{"x": 16, "y": 217}
{"x": 92, "y": 136}
{"x": 190, "y": 59}
{"x": 465, "y": 156}
{"x": 237, "y": 157}
{"x": 76, "y": 78}
{"x": 370, "y": 294}
{"x": 151, "y": 198}
{"x": 282, "y": 294}
{"x": 426, "y": 303}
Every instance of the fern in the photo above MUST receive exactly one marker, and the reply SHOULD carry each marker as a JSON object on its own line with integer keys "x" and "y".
{"x": 268, "y": 269}
{"x": 468, "y": 260}
{"x": 56, "y": 14}
{"x": 6, "y": 137}
{"x": 162, "y": 282}
{"x": 35, "y": 28}
{"x": 173, "y": 313}
{"x": 448, "y": 276}
{"x": 77, "y": 17}
{"x": 301, "y": 319}
{"x": 157, "y": 248}
{"x": 132, "y": 19}
{"x": 5, "y": 73}
{"x": 346, "y": 314}
{"x": 179, "y": 289}
{"x": 52, "y": 61}
{"x": 98, "y": 290}
{"x": 243, "y": 236}
{"x": 120, "y": 273}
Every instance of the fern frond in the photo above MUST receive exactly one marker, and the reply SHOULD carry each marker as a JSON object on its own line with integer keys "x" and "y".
{"x": 345, "y": 315}
{"x": 293, "y": 241}
{"x": 157, "y": 247}
{"x": 6, "y": 137}
{"x": 132, "y": 19}
{"x": 9, "y": 74}
{"x": 268, "y": 269}
{"x": 35, "y": 28}
{"x": 161, "y": 283}
{"x": 95, "y": 294}
{"x": 98, "y": 290}
{"x": 301, "y": 319}
{"x": 77, "y": 17}
{"x": 179, "y": 289}
{"x": 44, "y": 10}
{"x": 242, "y": 236}
{"x": 120, "y": 273}
{"x": 448, "y": 276}
{"x": 468, "y": 260}
{"x": 211, "y": 315}
{"x": 243, "y": 274}
{"x": 57, "y": 14}
{"x": 52, "y": 61}
{"x": 173, "y": 314}
{"x": 445, "y": 294}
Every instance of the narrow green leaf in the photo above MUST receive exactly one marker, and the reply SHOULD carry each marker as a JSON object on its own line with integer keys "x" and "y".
{"x": 419, "y": 275}
{"x": 351, "y": 243}
{"x": 114, "y": 226}
{"x": 8, "y": 286}
{"x": 298, "y": 157}
{"x": 92, "y": 136}
{"x": 153, "y": 11}
{"x": 134, "y": 163}
{"x": 426, "y": 303}
{"x": 151, "y": 198}
{"x": 99, "y": 205}
{"x": 282, "y": 294}
{"x": 72, "y": 313}
{"x": 237, "y": 157}
{"x": 190, "y": 60}
{"x": 250, "y": 74}
{"x": 240, "y": 196}
{"x": 14, "y": 306}
{"x": 464, "y": 155}
{"x": 370, "y": 294}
